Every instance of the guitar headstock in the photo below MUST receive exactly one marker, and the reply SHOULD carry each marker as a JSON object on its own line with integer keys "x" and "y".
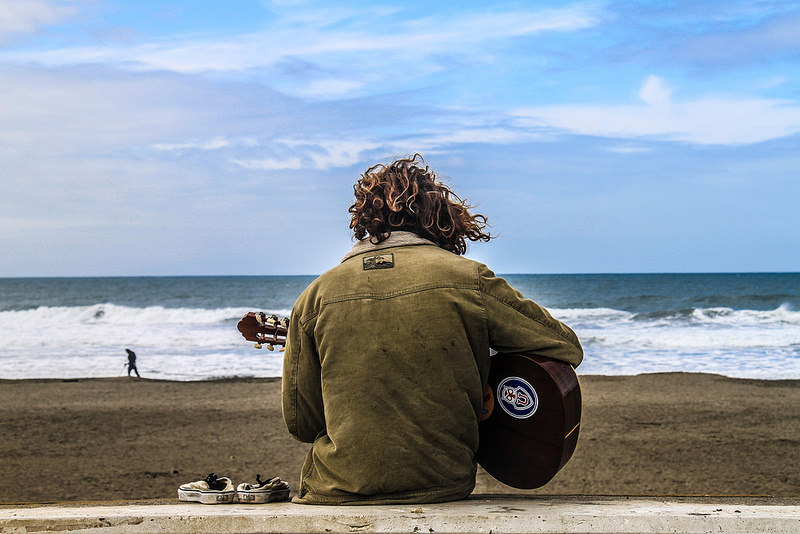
{"x": 264, "y": 329}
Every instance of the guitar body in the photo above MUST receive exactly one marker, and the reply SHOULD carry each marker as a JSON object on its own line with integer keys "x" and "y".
{"x": 533, "y": 419}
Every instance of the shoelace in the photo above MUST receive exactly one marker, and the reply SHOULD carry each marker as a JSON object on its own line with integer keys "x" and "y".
{"x": 214, "y": 483}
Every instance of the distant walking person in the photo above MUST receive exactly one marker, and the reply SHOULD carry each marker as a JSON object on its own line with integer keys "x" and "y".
{"x": 132, "y": 363}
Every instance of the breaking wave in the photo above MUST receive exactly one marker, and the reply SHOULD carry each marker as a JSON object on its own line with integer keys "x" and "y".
{"x": 200, "y": 343}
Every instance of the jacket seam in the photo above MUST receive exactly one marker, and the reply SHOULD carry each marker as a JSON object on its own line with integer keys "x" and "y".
{"x": 294, "y": 385}
{"x": 307, "y": 319}
{"x": 532, "y": 317}
{"x": 398, "y": 293}
{"x": 303, "y": 331}
{"x": 484, "y": 311}
{"x": 351, "y": 255}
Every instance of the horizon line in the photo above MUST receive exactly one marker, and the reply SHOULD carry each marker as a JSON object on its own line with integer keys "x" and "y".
{"x": 597, "y": 273}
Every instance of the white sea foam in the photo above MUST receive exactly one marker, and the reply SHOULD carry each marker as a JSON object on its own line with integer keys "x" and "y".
{"x": 190, "y": 344}
{"x": 738, "y": 343}
{"x": 172, "y": 343}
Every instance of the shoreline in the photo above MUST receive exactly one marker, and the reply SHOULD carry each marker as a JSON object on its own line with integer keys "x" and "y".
{"x": 651, "y": 434}
{"x": 246, "y": 379}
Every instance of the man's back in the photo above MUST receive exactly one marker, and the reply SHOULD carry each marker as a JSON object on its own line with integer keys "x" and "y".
{"x": 387, "y": 358}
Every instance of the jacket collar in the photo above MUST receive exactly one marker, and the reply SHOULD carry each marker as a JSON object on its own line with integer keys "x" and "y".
{"x": 396, "y": 239}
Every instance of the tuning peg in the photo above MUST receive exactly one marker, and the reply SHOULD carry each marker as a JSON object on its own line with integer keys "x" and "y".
{"x": 285, "y": 322}
{"x": 281, "y": 349}
{"x": 257, "y": 345}
{"x": 270, "y": 348}
{"x": 260, "y": 318}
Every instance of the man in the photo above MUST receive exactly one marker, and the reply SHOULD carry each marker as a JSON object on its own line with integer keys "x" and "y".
{"x": 387, "y": 354}
{"x": 132, "y": 363}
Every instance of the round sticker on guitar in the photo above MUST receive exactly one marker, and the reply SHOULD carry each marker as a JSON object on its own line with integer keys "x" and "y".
{"x": 517, "y": 397}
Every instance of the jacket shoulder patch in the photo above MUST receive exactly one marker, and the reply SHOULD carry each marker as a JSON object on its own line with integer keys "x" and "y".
{"x": 380, "y": 261}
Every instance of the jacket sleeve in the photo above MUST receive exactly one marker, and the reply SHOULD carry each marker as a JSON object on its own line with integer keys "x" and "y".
{"x": 301, "y": 388}
{"x": 517, "y": 324}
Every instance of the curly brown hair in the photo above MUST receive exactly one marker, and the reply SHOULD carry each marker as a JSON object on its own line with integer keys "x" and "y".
{"x": 407, "y": 195}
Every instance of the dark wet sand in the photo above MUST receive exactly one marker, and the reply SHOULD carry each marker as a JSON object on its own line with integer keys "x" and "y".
{"x": 121, "y": 438}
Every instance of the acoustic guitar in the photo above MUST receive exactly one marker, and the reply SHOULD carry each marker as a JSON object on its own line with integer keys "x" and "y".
{"x": 532, "y": 409}
{"x": 531, "y": 421}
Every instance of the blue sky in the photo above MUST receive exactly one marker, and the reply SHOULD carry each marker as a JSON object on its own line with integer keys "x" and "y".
{"x": 183, "y": 138}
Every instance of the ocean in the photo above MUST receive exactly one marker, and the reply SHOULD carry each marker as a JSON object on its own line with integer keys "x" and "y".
{"x": 184, "y": 328}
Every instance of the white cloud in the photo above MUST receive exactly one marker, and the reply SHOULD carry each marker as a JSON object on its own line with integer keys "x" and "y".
{"x": 476, "y": 27}
{"x": 322, "y": 154}
{"x": 328, "y": 153}
{"x": 86, "y": 113}
{"x": 628, "y": 149}
{"x": 655, "y": 92}
{"x": 26, "y": 16}
{"x": 356, "y": 56}
{"x": 214, "y": 143}
{"x": 341, "y": 153}
{"x": 98, "y": 110}
{"x": 479, "y": 134}
{"x": 270, "y": 164}
{"x": 705, "y": 121}
{"x": 328, "y": 88}
{"x": 210, "y": 144}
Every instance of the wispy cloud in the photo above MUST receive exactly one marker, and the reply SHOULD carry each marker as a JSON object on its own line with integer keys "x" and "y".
{"x": 318, "y": 155}
{"x": 26, "y": 16}
{"x": 356, "y": 55}
{"x": 328, "y": 152}
{"x": 775, "y": 38}
{"x": 655, "y": 91}
{"x": 705, "y": 120}
{"x": 210, "y": 144}
{"x": 628, "y": 149}
{"x": 215, "y": 143}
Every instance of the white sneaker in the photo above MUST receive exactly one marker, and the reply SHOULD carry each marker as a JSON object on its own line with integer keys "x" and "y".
{"x": 261, "y": 492}
{"x": 212, "y": 490}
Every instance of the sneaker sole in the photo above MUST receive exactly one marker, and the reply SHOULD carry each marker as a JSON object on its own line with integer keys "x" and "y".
{"x": 261, "y": 497}
{"x": 206, "y": 497}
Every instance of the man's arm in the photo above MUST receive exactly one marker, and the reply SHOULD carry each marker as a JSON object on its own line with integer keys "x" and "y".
{"x": 517, "y": 324}
{"x": 301, "y": 390}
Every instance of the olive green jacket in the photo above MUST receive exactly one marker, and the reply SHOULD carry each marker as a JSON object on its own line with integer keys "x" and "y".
{"x": 386, "y": 361}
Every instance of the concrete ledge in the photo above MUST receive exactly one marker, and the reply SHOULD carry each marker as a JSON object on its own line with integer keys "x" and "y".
{"x": 542, "y": 514}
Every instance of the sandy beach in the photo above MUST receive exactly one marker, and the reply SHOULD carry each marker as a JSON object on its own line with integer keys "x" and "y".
{"x": 121, "y": 438}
